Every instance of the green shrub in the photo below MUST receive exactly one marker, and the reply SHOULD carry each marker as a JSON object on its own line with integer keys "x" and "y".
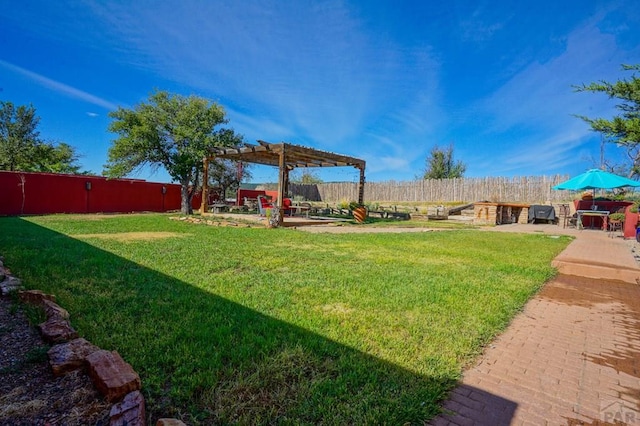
{"x": 619, "y": 217}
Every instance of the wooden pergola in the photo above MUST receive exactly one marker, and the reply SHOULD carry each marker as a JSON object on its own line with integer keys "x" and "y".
{"x": 286, "y": 157}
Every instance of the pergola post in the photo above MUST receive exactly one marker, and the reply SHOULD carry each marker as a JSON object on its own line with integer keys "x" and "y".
{"x": 361, "y": 187}
{"x": 205, "y": 186}
{"x": 282, "y": 182}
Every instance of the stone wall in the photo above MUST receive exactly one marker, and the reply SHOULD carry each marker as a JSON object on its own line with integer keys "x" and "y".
{"x": 114, "y": 378}
{"x": 487, "y": 213}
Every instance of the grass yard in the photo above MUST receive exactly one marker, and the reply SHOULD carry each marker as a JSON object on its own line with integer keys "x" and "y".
{"x": 257, "y": 325}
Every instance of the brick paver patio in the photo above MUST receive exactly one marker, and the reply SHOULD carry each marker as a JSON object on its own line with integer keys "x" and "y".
{"x": 572, "y": 357}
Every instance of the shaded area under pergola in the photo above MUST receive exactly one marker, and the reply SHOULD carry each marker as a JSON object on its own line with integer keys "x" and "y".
{"x": 286, "y": 157}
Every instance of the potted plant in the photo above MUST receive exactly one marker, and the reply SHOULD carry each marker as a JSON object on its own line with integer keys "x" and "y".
{"x": 616, "y": 217}
{"x": 587, "y": 195}
{"x": 359, "y": 211}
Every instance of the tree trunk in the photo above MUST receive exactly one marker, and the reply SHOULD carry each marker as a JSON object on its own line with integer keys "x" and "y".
{"x": 186, "y": 196}
{"x": 275, "y": 219}
{"x": 223, "y": 194}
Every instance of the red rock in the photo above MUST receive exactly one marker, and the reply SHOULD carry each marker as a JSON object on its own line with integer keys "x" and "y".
{"x": 129, "y": 412}
{"x": 53, "y": 310}
{"x": 169, "y": 422}
{"x": 35, "y": 297}
{"x": 57, "y": 330}
{"x": 111, "y": 375}
{"x": 70, "y": 356}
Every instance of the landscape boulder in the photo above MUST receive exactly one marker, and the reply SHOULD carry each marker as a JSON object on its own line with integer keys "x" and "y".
{"x": 111, "y": 375}
{"x": 53, "y": 310}
{"x": 129, "y": 412}
{"x": 57, "y": 330}
{"x": 9, "y": 284}
{"x": 70, "y": 356}
{"x": 35, "y": 297}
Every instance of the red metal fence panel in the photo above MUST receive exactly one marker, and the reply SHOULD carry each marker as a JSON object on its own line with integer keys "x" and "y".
{"x": 46, "y": 193}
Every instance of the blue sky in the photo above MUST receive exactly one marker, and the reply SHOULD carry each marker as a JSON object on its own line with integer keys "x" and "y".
{"x": 380, "y": 80}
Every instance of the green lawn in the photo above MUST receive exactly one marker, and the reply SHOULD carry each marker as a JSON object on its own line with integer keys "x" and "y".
{"x": 260, "y": 325}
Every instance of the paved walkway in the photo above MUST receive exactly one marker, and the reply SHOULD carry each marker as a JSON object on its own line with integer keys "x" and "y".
{"x": 572, "y": 357}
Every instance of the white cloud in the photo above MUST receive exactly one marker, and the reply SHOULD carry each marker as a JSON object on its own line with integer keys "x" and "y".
{"x": 259, "y": 127}
{"x": 543, "y": 93}
{"x": 312, "y": 68}
{"x": 478, "y": 27}
{"x": 531, "y": 119}
{"x": 387, "y": 164}
{"x": 59, "y": 87}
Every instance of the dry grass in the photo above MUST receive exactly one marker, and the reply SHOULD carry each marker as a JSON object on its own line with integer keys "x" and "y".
{"x": 9, "y": 408}
{"x": 337, "y": 309}
{"x": 89, "y": 405}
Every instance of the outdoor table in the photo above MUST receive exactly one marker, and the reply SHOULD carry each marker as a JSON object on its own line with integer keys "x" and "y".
{"x": 220, "y": 207}
{"x": 300, "y": 209}
{"x": 590, "y": 213}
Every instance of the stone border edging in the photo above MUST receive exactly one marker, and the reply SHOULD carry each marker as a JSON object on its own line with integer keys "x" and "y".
{"x": 114, "y": 378}
{"x": 222, "y": 222}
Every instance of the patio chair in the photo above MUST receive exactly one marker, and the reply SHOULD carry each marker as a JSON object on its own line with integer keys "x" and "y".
{"x": 616, "y": 227}
{"x": 286, "y": 206}
{"x": 263, "y": 205}
{"x": 565, "y": 216}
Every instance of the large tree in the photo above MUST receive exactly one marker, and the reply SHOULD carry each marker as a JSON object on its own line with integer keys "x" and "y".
{"x": 18, "y": 136}
{"x": 440, "y": 164}
{"x": 22, "y": 149}
{"x": 171, "y": 131}
{"x": 227, "y": 174}
{"x": 624, "y": 128}
{"x": 304, "y": 176}
{"x": 56, "y": 158}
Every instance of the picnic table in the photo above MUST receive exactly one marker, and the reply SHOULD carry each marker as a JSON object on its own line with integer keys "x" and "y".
{"x": 300, "y": 208}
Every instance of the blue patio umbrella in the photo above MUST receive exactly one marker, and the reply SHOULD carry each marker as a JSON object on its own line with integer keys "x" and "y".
{"x": 596, "y": 179}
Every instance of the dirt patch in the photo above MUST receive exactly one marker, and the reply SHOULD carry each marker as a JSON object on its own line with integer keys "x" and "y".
{"x": 29, "y": 393}
{"x": 124, "y": 237}
{"x": 337, "y": 309}
{"x": 334, "y": 229}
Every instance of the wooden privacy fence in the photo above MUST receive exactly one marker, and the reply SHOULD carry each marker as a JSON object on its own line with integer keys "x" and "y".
{"x": 532, "y": 189}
